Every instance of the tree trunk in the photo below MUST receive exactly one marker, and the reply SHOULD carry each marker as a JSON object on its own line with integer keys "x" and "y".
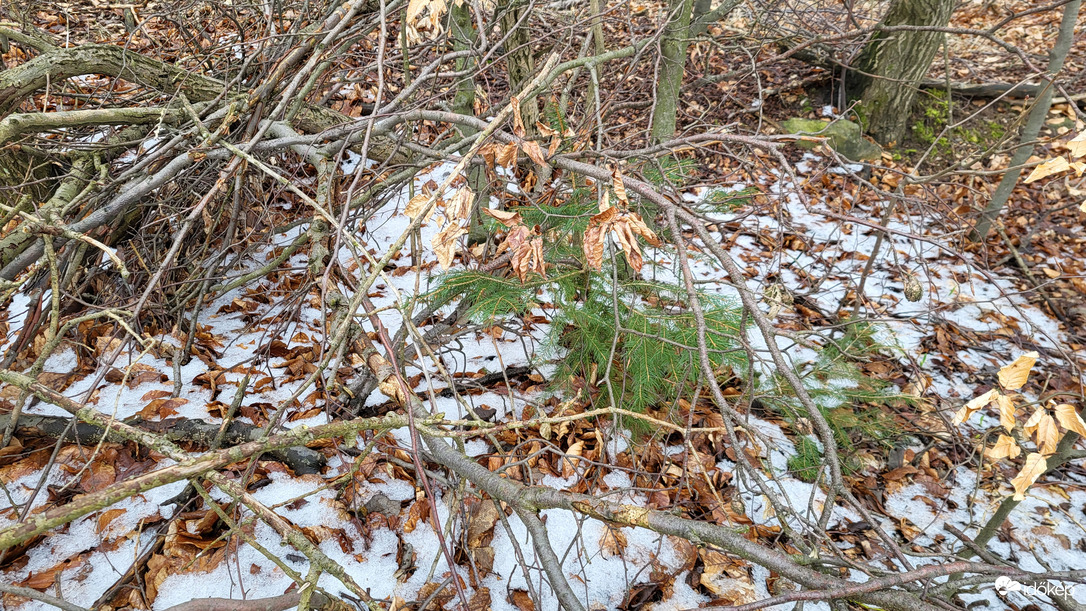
{"x": 669, "y": 79}
{"x": 1034, "y": 121}
{"x": 518, "y": 47}
{"x": 886, "y": 75}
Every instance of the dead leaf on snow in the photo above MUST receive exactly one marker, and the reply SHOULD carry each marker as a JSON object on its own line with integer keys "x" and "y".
{"x": 974, "y": 405}
{"x": 1005, "y": 447}
{"x": 445, "y": 243}
{"x": 612, "y": 542}
{"x": 1069, "y": 418}
{"x": 1035, "y": 467}
{"x": 1014, "y": 376}
{"x": 1006, "y": 411}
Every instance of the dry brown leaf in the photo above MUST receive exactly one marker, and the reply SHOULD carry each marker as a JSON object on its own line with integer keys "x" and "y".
{"x": 481, "y": 520}
{"x": 518, "y": 122}
{"x": 1077, "y": 146}
{"x": 506, "y": 155}
{"x": 1005, "y": 447}
{"x": 1048, "y": 168}
{"x": 446, "y": 242}
{"x": 161, "y": 408}
{"x": 459, "y": 207}
{"x": 620, "y": 189}
{"x": 416, "y": 207}
{"x": 480, "y": 601}
{"x": 532, "y": 149}
{"x": 545, "y": 130}
{"x": 528, "y": 258}
{"x": 1006, "y": 411}
{"x": 974, "y": 405}
{"x": 509, "y": 219}
{"x": 106, "y": 517}
{"x": 522, "y": 600}
{"x": 612, "y": 542}
{"x": 572, "y": 457}
{"x": 1014, "y": 376}
{"x": 1034, "y": 468}
{"x": 1069, "y": 418}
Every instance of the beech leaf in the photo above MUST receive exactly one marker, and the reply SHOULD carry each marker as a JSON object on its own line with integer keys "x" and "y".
{"x": 445, "y": 243}
{"x": 1048, "y": 168}
{"x": 1035, "y": 467}
{"x": 1006, "y": 411}
{"x": 1077, "y": 146}
{"x": 1005, "y": 447}
{"x": 1014, "y": 376}
{"x": 1069, "y": 418}
{"x": 974, "y": 405}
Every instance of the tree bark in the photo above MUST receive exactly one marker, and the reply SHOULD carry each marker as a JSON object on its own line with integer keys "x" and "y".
{"x": 1033, "y": 124}
{"x": 669, "y": 79}
{"x": 885, "y": 77}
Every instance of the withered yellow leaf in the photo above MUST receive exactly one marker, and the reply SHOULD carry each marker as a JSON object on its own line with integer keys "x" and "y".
{"x": 445, "y": 243}
{"x": 416, "y": 206}
{"x": 1006, "y": 411}
{"x": 620, "y": 189}
{"x": 977, "y": 403}
{"x": 1034, "y": 468}
{"x": 1048, "y": 168}
{"x": 1069, "y": 418}
{"x": 1005, "y": 447}
{"x": 505, "y": 217}
{"x": 1048, "y": 436}
{"x": 1077, "y": 146}
{"x": 459, "y": 207}
{"x": 1014, "y": 376}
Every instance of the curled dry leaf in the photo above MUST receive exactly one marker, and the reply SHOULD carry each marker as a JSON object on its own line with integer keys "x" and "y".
{"x": 518, "y": 122}
{"x": 978, "y": 403}
{"x": 527, "y": 250}
{"x": 1034, "y": 468}
{"x": 569, "y": 463}
{"x": 506, "y": 155}
{"x": 532, "y": 149}
{"x": 1005, "y": 447}
{"x": 1069, "y": 418}
{"x": 1077, "y": 146}
{"x": 1044, "y": 427}
{"x": 1048, "y": 168}
{"x": 459, "y": 207}
{"x": 1006, "y": 411}
{"x": 446, "y": 242}
{"x": 620, "y": 189}
{"x": 624, "y": 226}
{"x": 417, "y": 205}
{"x": 509, "y": 219}
{"x": 612, "y": 542}
{"x": 1014, "y": 376}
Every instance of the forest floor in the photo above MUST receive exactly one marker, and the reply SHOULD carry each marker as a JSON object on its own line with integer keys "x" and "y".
{"x": 808, "y": 235}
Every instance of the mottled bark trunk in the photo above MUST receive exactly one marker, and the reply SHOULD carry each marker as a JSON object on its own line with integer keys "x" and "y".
{"x": 518, "y": 56}
{"x": 886, "y": 75}
{"x": 673, "y": 45}
{"x": 1034, "y": 121}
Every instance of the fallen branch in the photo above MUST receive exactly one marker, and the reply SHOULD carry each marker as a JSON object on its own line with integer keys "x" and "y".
{"x": 300, "y": 459}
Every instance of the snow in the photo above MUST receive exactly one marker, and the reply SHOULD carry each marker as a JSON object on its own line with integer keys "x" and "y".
{"x": 955, "y": 295}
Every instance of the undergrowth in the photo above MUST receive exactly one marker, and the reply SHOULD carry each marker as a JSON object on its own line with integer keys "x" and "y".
{"x": 633, "y": 342}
